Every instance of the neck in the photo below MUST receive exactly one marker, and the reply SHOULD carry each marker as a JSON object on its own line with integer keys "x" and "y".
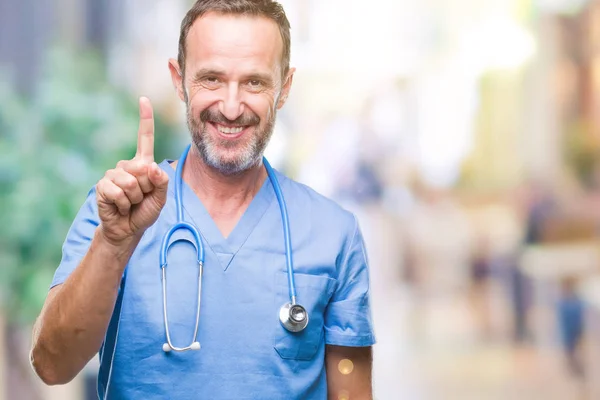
{"x": 223, "y": 196}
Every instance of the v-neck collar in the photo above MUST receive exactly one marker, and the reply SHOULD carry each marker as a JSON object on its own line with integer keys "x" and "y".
{"x": 225, "y": 249}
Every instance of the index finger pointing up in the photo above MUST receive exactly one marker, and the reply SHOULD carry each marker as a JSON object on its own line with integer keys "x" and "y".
{"x": 145, "y": 144}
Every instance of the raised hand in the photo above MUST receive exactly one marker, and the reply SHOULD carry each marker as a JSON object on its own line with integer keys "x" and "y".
{"x": 131, "y": 196}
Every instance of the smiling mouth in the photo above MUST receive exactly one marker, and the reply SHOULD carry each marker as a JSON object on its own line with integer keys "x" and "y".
{"x": 230, "y": 131}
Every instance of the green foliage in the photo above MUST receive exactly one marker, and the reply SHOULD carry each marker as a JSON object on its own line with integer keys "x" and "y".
{"x": 53, "y": 149}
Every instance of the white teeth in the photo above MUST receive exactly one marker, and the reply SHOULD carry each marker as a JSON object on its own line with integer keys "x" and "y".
{"x": 224, "y": 129}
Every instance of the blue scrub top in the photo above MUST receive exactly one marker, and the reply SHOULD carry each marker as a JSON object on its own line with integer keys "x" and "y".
{"x": 246, "y": 353}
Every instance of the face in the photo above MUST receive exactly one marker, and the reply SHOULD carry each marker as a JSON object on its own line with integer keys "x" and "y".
{"x": 232, "y": 89}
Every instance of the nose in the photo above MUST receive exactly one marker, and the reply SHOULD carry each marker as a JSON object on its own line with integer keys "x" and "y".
{"x": 232, "y": 106}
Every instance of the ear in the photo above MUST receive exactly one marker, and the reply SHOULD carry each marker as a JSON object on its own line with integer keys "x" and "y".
{"x": 285, "y": 90}
{"x": 177, "y": 78}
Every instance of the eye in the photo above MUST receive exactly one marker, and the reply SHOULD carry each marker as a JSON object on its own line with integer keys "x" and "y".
{"x": 210, "y": 81}
{"x": 255, "y": 84}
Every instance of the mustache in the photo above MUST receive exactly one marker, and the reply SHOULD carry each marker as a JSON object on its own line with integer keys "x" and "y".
{"x": 216, "y": 117}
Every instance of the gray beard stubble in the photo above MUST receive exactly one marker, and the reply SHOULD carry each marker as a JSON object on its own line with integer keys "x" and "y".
{"x": 207, "y": 147}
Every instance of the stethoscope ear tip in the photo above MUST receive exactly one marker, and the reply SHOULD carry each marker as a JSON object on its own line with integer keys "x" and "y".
{"x": 166, "y": 347}
{"x": 195, "y": 346}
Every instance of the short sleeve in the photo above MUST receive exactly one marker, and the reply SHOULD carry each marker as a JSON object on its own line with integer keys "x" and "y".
{"x": 78, "y": 238}
{"x": 348, "y": 315}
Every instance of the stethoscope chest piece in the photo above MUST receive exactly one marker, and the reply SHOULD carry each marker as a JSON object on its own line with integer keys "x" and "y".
{"x": 294, "y": 317}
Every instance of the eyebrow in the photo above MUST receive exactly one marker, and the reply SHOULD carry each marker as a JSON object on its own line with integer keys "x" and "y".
{"x": 204, "y": 72}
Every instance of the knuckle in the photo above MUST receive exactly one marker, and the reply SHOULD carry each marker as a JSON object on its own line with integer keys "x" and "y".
{"x": 119, "y": 194}
{"x": 136, "y": 167}
{"x": 101, "y": 185}
{"x": 138, "y": 163}
{"x": 144, "y": 178}
{"x": 135, "y": 191}
{"x": 130, "y": 183}
{"x": 142, "y": 167}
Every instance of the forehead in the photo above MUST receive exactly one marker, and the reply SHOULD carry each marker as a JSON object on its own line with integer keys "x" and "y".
{"x": 227, "y": 41}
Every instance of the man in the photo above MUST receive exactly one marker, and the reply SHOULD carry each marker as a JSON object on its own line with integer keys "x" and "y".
{"x": 233, "y": 74}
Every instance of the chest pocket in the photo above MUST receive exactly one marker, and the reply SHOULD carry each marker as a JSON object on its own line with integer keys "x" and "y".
{"x": 313, "y": 293}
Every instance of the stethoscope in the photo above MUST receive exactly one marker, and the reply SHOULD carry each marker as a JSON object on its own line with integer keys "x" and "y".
{"x": 292, "y": 316}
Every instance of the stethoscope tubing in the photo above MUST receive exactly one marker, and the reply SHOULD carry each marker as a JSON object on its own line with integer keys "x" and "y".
{"x": 286, "y": 230}
{"x": 198, "y": 244}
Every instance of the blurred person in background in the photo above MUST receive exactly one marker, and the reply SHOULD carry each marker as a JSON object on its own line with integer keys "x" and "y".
{"x": 233, "y": 74}
{"x": 539, "y": 206}
{"x": 570, "y": 310}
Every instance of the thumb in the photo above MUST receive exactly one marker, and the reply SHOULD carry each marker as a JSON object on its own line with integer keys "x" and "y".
{"x": 159, "y": 179}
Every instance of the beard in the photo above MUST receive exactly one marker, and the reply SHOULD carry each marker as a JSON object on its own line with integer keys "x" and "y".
{"x": 230, "y": 157}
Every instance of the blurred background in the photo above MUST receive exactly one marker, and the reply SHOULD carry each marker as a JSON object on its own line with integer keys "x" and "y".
{"x": 464, "y": 134}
